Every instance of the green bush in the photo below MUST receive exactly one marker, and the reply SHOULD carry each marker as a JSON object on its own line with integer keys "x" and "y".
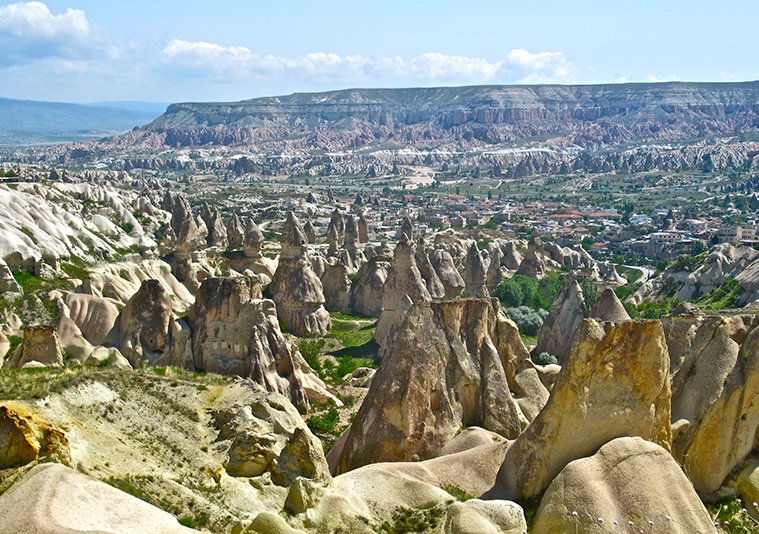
{"x": 525, "y": 291}
{"x": 312, "y": 350}
{"x": 527, "y": 320}
{"x": 324, "y": 423}
{"x": 544, "y": 358}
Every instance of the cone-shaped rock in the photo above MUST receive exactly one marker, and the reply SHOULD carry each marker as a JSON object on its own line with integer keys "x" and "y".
{"x": 475, "y": 273}
{"x": 235, "y": 230}
{"x": 310, "y": 232}
{"x": 615, "y": 384}
{"x": 295, "y": 287}
{"x": 363, "y": 229}
{"x": 608, "y": 307}
{"x": 188, "y": 234}
{"x": 561, "y": 323}
{"x": 407, "y": 229}
{"x": 253, "y": 241}
{"x": 434, "y": 285}
{"x": 217, "y": 233}
{"x": 533, "y": 264}
{"x": 366, "y": 294}
{"x": 446, "y": 270}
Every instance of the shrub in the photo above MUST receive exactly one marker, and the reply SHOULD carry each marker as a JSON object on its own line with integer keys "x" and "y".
{"x": 311, "y": 350}
{"x": 527, "y": 320}
{"x": 324, "y": 423}
{"x": 544, "y": 359}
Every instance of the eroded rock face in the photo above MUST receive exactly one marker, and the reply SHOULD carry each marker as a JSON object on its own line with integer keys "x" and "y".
{"x": 563, "y": 321}
{"x": 310, "y": 232}
{"x": 235, "y": 230}
{"x": 449, "y": 365}
{"x": 336, "y": 286}
{"x": 295, "y": 287}
{"x": 434, "y": 285}
{"x": 363, "y": 229}
{"x": 188, "y": 235}
{"x": 715, "y": 382}
{"x": 628, "y": 480}
{"x": 404, "y": 282}
{"x": 52, "y": 498}
{"x": 253, "y": 240}
{"x": 217, "y": 233}
{"x": 533, "y": 264}
{"x": 366, "y": 293}
{"x": 145, "y": 324}
{"x": 446, "y": 270}
{"x": 475, "y": 271}
{"x": 7, "y": 282}
{"x": 608, "y": 307}
{"x": 24, "y": 440}
{"x": 237, "y": 333}
{"x": 615, "y": 383}
{"x": 40, "y": 344}
{"x": 266, "y": 434}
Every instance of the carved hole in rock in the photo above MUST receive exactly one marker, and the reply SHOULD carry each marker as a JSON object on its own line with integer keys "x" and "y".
{"x": 283, "y": 366}
{"x": 435, "y": 400}
{"x": 468, "y": 405}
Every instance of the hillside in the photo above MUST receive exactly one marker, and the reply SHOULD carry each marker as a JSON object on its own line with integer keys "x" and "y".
{"x": 462, "y": 117}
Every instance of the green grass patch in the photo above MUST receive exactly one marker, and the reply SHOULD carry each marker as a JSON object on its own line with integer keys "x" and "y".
{"x": 324, "y": 423}
{"x": 457, "y": 492}
{"x": 74, "y": 271}
{"x": 632, "y": 275}
{"x": 408, "y": 520}
{"x": 725, "y": 296}
{"x": 732, "y": 517}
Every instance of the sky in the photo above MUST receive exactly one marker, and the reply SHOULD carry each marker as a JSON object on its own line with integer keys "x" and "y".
{"x": 227, "y": 50}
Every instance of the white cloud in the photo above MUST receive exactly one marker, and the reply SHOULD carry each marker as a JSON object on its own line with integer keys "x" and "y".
{"x": 520, "y": 66}
{"x": 29, "y": 31}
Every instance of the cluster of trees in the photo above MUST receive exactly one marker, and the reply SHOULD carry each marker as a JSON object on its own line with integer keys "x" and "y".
{"x": 524, "y": 291}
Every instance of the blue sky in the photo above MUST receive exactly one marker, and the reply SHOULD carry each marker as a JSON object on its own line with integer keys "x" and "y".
{"x": 169, "y": 51}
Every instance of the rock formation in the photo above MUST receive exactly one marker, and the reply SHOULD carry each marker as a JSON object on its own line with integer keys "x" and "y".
{"x": 310, "y": 231}
{"x": 188, "y": 235}
{"x": 512, "y": 258}
{"x": 40, "y": 346}
{"x": 434, "y": 285}
{"x": 336, "y": 286}
{"x": 355, "y": 258}
{"x": 253, "y": 240}
{"x": 52, "y": 498}
{"x": 615, "y": 384}
{"x": 295, "y": 288}
{"x": 475, "y": 273}
{"x": 335, "y": 231}
{"x": 403, "y": 280}
{"x": 149, "y": 331}
{"x": 363, "y": 228}
{"x": 629, "y": 485}
{"x": 533, "y": 264}
{"x": 217, "y": 233}
{"x": 25, "y": 439}
{"x": 494, "y": 274}
{"x": 8, "y": 283}
{"x": 451, "y": 363}
{"x": 608, "y": 307}
{"x": 715, "y": 382}
{"x": 235, "y": 230}
{"x": 563, "y": 321}
{"x": 446, "y": 270}
{"x": 366, "y": 293}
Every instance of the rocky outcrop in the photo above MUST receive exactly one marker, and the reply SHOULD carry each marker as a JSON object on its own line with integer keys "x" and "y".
{"x": 423, "y": 263}
{"x": 336, "y": 286}
{"x": 253, "y": 240}
{"x": 8, "y": 283}
{"x": 188, "y": 235}
{"x": 335, "y": 231}
{"x": 355, "y": 258}
{"x": 310, "y": 231}
{"x": 494, "y": 274}
{"x": 217, "y": 233}
{"x": 236, "y": 333}
{"x": 533, "y": 264}
{"x": 475, "y": 273}
{"x": 40, "y": 347}
{"x": 450, "y": 364}
{"x": 265, "y": 434}
{"x": 446, "y": 270}
{"x": 363, "y": 228}
{"x": 295, "y": 288}
{"x": 52, "y": 498}
{"x": 563, "y": 321}
{"x": 615, "y": 384}
{"x": 629, "y": 485}
{"x": 512, "y": 258}
{"x": 150, "y": 334}
{"x": 366, "y": 293}
{"x": 404, "y": 283}
{"x": 235, "y": 230}
{"x": 715, "y": 382}
{"x": 608, "y": 307}
{"x": 24, "y": 439}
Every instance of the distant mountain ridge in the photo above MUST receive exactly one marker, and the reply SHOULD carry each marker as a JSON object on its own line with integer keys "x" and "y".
{"x": 31, "y": 121}
{"x": 462, "y": 117}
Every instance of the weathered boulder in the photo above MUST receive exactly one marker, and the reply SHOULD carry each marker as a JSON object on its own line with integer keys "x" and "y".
{"x": 96, "y": 317}
{"x": 476, "y": 516}
{"x": 446, "y": 270}
{"x": 608, "y": 307}
{"x": 629, "y": 485}
{"x": 53, "y": 499}
{"x": 404, "y": 281}
{"x": 40, "y": 344}
{"x": 366, "y": 293}
{"x": 264, "y": 434}
{"x": 434, "y": 285}
{"x": 563, "y": 321}
{"x": 747, "y": 485}
{"x": 715, "y": 382}
{"x": 449, "y": 364}
{"x": 335, "y": 230}
{"x": 295, "y": 287}
{"x": 24, "y": 439}
{"x": 616, "y": 383}
{"x": 475, "y": 273}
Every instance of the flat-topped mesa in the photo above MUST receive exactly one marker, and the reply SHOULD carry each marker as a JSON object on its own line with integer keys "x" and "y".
{"x": 253, "y": 240}
{"x": 235, "y": 230}
{"x": 475, "y": 272}
{"x": 295, "y": 287}
{"x": 403, "y": 281}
